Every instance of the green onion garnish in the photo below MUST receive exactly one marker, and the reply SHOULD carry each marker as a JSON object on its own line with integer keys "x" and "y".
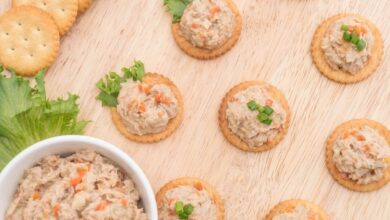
{"x": 354, "y": 39}
{"x": 183, "y": 211}
{"x": 252, "y": 105}
{"x": 264, "y": 112}
{"x": 262, "y": 116}
{"x": 361, "y": 44}
{"x": 268, "y": 121}
{"x": 344, "y": 27}
{"x": 347, "y": 36}
{"x": 268, "y": 110}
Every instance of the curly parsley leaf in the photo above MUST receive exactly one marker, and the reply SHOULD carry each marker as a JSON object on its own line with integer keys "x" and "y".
{"x": 27, "y": 116}
{"x": 110, "y": 84}
{"x": 176, "y": 8}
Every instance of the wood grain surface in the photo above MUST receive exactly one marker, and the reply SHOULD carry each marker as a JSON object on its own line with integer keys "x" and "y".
{"x": 274, "y": 47}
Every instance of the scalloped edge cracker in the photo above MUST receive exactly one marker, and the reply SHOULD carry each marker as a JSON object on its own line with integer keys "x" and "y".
{"x": 289, "y": 205}
{"x": 83, "y": 5}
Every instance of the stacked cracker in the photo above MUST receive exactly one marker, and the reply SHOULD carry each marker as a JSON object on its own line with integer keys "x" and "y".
{"x": 30, "y": 32}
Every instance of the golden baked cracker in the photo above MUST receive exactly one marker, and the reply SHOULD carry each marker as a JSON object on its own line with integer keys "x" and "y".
{"x": 29, "y": 40}
{"x": 192, "y": 181}
{"x": 205, "y": 54}
{"x": 337, "y": 175}
{"x": 234, "y": 139}
{"x": 83, "y": 5}
{"x": 64, "y": 12}
{"x": 173, "y": 124}
{"x": 339, "y": 75}
{"x": 289, "y": 206}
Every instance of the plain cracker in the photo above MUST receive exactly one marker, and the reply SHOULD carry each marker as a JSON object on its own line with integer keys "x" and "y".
{"x": 64, "y": 12}
{"x": 83, "y": 5}
{"x": 337, "y": 175}
{"x": 173, "y": 124}
{"x": 339, "y": 75}
{"x": 234, "y": 139}
{"x": 29, "y": 40}
{"x": 192, "y": 181}
{"x": 289, "y": 205}
{"x": 205, "y": 54}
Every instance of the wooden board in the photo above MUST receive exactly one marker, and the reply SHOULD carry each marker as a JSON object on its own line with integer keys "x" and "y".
{"x": 274, "y": 47}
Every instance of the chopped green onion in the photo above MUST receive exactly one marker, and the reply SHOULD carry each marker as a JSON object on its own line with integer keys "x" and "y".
{"x": 179, "y": 206}
{"x": 267, "y": 121}
{"x": 262, "y": 116}
{"x": 344, "y": 27}
{"x": 183, "y": 211}
{"x": 252, "y": 105}
{"x": 361, "y": 44}
{"x": 268, "y": 110}
{"x": 188, "y": 209}
{"x": 347, "y": 36}
{"x": 354, "y": 39}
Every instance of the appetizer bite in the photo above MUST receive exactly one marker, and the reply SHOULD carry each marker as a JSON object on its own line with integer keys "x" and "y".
{"x": 254, "y": 116}
{"x": 145, "y": 107}
{"x": 296, "y": 210}
{"x": 205, "y": 29}
{"x": 347, "y": 48}
{"x": 358, "y": 155}
{"x": 84, "y": 185}
{"x": 189, "y": 198}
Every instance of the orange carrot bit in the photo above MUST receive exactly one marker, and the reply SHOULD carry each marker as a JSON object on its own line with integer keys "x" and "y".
{"x": 132, "y": 103}
{"x": 56, "y": 210}
{"x": 101, "y": 206}
{"x": 141, "y": 108}
{"x": 360, "y": 137}
{"x": 215, "y": 9}
{"x": 194, "y": 25}
{"x": 198, "y": 186}
{"x": 157, "y": 97}
{"x": 124, "y": 202}
{"x": 366, "y": 148}
{"x": 147, "y": 89}
{"x": 268, "y": 102}
{"x": 81, "y": 171}
{"x": 75, "y": 181}
{"x": 36, "y": 195}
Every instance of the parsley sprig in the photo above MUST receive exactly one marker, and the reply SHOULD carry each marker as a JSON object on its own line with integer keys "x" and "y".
{"x": 110, "y": 84}
{"x": 264, "y": 112}
{"x": 183, "y": 211}
{"x": 176, "y": 8}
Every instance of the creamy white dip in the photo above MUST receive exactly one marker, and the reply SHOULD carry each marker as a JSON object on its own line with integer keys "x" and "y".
{"x": 146, "y": 108}
{"x": 84, "y": 185}
{"x": 199, "y": 198}
{"x": 299, "y": 213}
{"x": 362, "y": 155}
{"x": 244, "y": 123}
{"x": 343, "y": 55}
{"x": 207, "y": 24}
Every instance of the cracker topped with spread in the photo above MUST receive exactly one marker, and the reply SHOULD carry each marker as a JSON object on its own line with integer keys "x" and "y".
{"x": 63, "y": 12}
{"x": 29, "y": 40}
{"x": 205, "y": 29}
{"x": 358, "y": 155}
{"x": 145, "y": 107}
{"x": 347, "y": 48}
{"x": 189, "y": 198}
{"x": 296, "y": 209}
{"x": 254, "y": 116}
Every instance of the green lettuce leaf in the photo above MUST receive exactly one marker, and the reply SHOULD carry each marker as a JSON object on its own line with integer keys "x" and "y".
{"x": 27, "y": 116}
{"x": 110, "y": 84}
{"x": 176, "y": 8}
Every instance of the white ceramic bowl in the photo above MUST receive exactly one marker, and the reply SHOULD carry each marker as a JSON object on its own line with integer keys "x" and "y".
{"x": 63, "y": 145}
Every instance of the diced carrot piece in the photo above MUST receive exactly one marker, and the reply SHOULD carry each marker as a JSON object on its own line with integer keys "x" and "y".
{"x": 215, "y": 9}
{"x": 198, "y": 186}
{"x": 101, "y": 206}
{"x": 124, "y": 202}
{"x": 360, "y": 137}
{"x": 147, "y": 90}
{"x": 131, "y": 104}
{"x": 75, "y": 181}
{"x": 36, "y": 195}
{"x": 141, "y": 108}
{"x": 194, "y": 25}
{"x": 81, "y": 171}
{"x": 56, "y": 210}
{"x": 268, "y": 102}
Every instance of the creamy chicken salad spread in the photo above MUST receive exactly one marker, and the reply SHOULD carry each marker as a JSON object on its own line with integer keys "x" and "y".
{"x": 146, "y": 108}
{"x": 203, "y": 205}
{"x": 299, "y": 213}
{"x": 244, "y": 123}
{"x": 207, "y": 24}
{"x": 362, "y": 155}
{"x": 84, "y": 185}
{"x": 343, "y": 55}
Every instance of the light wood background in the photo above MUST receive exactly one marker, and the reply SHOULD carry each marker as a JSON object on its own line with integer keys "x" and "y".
{"x": 274, "y": 47}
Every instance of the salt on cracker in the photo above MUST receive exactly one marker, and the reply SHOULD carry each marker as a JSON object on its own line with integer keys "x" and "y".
{"x": 29, "y": 40}
{"x": 173, "y": 124}
{"x": 337, "y": 175}
{"x": 64, "y": 12}
{"x": 339, "y": 75}
{"x": 233, "y": 138}
{"x": 205, "y": 54}
{"x": 185, "y": 181}
{"x": 289, "y": 206}
{"x": 83, "y": 5}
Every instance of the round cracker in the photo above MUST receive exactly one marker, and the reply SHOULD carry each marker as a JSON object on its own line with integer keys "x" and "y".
{"x": 184, "y": 181}
{"x": 29, "y": 40}
{"x": 234, "y": 139}
{"x": 205, "y": 54}
{"x": 63, "y": 12}
{"x": 339, "y": 75}
{"x": 83, "y": 5}
{"x": 173, "y": 124}
{"x": 289, "y": 205}
{"x": 337, "y": 175}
